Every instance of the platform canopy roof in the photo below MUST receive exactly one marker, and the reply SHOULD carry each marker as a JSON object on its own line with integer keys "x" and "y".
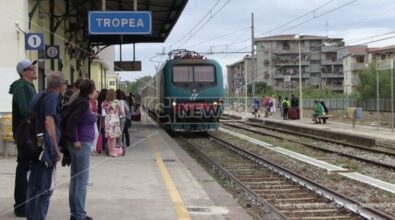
{"x": 165, "y": 14}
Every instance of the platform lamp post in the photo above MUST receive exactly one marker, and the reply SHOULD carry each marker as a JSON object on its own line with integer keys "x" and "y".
{"x": 298, "y": 37}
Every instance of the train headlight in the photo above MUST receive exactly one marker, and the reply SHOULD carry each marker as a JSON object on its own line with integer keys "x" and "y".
{"x": 174, "y": 104}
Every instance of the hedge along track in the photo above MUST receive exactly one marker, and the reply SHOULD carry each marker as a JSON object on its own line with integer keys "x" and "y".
{"x": 281, "y": 193}
{"x": 313, "y": 146}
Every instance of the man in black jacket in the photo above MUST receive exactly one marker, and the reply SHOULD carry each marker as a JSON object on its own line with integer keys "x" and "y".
{"x": 294, "y": 101}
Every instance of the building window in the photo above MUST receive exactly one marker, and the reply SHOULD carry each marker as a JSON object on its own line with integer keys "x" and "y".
{"x": 360, "y": 59}
{"x": 285, "y": 45}
{"x": 112, "y": 83}
{"x": 331, "y": 56}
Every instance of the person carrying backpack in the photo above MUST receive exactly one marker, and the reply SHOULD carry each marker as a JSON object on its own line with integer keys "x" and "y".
{"x": 80, "y": 134}
{"x": 42, "y": 173}
{"x": 22, "y": 91}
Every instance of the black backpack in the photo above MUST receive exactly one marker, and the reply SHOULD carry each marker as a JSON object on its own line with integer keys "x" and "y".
{"x": 64, "y": 143}
{"x": 26, "y": 133}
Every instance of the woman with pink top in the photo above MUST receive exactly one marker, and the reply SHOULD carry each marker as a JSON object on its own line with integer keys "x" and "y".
{"x": 112, "y": 123}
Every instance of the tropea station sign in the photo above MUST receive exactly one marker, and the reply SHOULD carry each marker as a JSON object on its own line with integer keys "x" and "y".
{"x": 120, "y": 22}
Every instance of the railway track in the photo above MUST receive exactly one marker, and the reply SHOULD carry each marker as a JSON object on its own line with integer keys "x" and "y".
{"x": 315, "y": 146}
{"x": 281, "y": 193}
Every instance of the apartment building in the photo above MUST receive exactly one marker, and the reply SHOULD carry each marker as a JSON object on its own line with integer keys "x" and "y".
{"x": 278, "y": 61}
{"x": 237, "y": 73}
{"x": 355, "y": 59}
{"x": 381, "y": 53}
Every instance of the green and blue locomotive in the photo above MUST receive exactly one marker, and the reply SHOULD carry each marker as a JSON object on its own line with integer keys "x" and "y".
{"x": 186, "y": 93}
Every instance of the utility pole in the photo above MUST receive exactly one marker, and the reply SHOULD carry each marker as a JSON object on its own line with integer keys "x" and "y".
{"x": 254, "y": 64}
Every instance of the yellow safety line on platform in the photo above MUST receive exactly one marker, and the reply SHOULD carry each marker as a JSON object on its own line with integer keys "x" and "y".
{"x": 181, "y": 211}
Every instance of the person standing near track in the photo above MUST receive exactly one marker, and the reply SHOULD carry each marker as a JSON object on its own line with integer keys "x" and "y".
{"x": 256, "y": 108}
{"x": 80, "y": 132}
{"x": 286, "y": 106}
{"x": 42, "y": 173}
{"x": 22, "y": 91}
{"x": 112, "y": 124}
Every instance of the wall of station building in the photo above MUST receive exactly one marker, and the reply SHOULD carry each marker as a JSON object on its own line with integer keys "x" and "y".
{"x": 13, "y": 47}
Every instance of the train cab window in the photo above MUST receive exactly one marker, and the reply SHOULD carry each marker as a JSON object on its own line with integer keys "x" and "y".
{"x": 182, "y": 74}
{"x": 204, "y": 74}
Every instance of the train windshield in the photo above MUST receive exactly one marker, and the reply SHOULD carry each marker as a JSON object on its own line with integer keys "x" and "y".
{"x": 204, "y": 74}
{"x": 182, "y": 74}
{"x": 193, "y": 74}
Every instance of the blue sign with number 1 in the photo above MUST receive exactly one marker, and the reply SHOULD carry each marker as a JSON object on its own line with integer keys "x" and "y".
{"x": 34, "y": 41}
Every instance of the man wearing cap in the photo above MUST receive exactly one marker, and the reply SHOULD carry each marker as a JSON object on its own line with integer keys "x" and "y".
{"x": 22, "y": 91}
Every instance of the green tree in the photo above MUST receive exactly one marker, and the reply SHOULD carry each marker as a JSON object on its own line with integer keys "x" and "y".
{"x": 139, "y": 83}
{"x": 261, "y": 89}
{"x": 368, "y": 86}
{"x": 312, "y": 92}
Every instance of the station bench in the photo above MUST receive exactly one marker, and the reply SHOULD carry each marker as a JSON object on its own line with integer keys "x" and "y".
{"x": 324, "y": 118}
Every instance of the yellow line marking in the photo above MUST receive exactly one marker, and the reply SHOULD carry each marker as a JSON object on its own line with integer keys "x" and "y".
{"x": 175, "y": 197}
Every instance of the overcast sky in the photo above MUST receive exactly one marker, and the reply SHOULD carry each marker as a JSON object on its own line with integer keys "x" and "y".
{"x": 228, "y": 29}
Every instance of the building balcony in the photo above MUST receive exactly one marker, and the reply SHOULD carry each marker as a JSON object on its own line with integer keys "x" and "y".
{"x": 331, "y": 62}
{"x": 332, "y": 75}
{"x": 325, "y": 49}
{"x": 293, "y": 76}
{"x": 290, "y": 62}
{"x": 290, "y": 51}
{"x": 357, "y": 66}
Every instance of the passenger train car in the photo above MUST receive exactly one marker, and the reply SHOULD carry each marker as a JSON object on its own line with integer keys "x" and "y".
{"x": 186, "y": 93}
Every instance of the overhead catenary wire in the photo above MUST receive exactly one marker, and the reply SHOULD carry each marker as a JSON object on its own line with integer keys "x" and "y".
{"x": 297, "y": 18}
{"x": 317, "y": 16}
{"x": 217, "y": 37}
{"x": 306, "y": 21}
{"x": 196, "y": 25}
{"x": 380, "y": 13}
{"x": 192, "y": 34}
{"x": 329, "y": 40}
{"x": 370, "y": 37}
{"x": 208, "y": 16}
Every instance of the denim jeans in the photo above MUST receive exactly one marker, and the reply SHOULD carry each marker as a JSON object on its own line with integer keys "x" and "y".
{"x": 38, "y": 203}
{"x": 39, "y": 191}
{"x": 79, "y": 179}
{"x": 125, "y": 132}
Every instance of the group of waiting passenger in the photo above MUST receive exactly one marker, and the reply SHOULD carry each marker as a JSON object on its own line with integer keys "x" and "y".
{"x": 288, "y": 109}
{"x": 271, "y": 104}
{"x": 71, "y": 122}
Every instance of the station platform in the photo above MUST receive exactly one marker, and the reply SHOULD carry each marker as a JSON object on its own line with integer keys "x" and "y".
{"x": 382, "y": 136}
{"x": 156, "y": 179}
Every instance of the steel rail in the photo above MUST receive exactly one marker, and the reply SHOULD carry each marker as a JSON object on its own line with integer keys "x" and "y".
{"x": 323, "y": 139}
{"x": 377, "y": 163}
{"x": 342, "y": 200}
{"x": 274, "y": 212}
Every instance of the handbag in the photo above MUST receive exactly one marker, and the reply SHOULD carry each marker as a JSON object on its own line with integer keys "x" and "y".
{"x": 119, "y": 151}
{"x": 99, "y": 144}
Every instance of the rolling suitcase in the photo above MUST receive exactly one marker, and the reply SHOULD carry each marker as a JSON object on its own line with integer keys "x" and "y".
{"x": 294, "y": 113}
